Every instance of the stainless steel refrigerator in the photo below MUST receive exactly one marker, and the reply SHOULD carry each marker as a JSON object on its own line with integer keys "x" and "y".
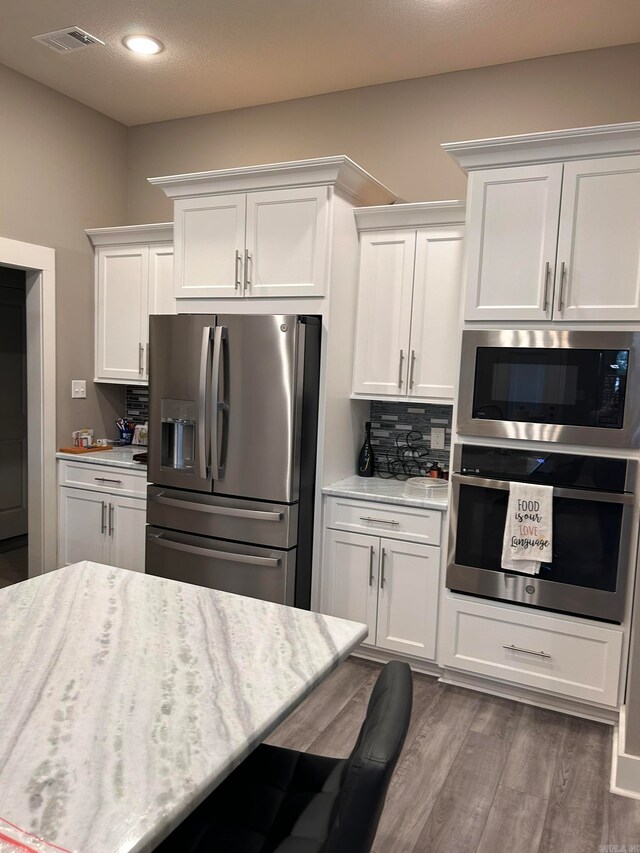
{"x": 233, "y": 416}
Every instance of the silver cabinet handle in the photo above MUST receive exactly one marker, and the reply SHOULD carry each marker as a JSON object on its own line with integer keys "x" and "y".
{"x": 381, "y": 520}
{"x": 146, "y": 361}
{"x": 512, "y": 648}
{"x": 107, "y": 480}
{"x": 238, "y": 270}
{"x": 271, "y": 562}
{"x": 411, "y": 367}
{"x": 258, "y": 515}
{"x": 110, "y": 519}
{"x": 563, "y": 276}
{"x": 371, "y": 565}
{"x": 247, "y": 262}
{"x": 203, "y": 423}
{"x": 103, "y": 519}
{"x": 400, "y": 369}
{"x": 140, "y": 352}
{"x": 547, "y": 276}
{"x": 382, "y": 577}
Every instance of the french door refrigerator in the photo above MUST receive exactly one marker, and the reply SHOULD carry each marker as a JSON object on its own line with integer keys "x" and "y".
{"x": 233, "y": 416}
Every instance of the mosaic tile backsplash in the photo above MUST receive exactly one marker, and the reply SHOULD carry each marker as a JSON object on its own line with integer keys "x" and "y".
{"x": 136, "y": 404}
{"x": 400, "y": 435}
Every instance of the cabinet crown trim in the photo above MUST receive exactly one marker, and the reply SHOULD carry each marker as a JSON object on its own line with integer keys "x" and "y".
{"x": 408, "y": 215}
{"x": 156, "y": 232}
{"x": 340, "y": 171}
{"x": 528, "y": 148}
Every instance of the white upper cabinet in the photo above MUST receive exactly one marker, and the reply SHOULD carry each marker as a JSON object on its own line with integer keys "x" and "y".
{"x": 383, "y": 319}
{"x": 511, "y": 242}
{"x": 407, "y": 327}
{"x": 262, "y": 231}
{"x": 133, "y": 279}
{"x": 553, "y": 225}
{"x": 599, "y": 240}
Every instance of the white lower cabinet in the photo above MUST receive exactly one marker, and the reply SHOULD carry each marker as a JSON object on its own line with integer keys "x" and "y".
{"x": 390, "y": 585}
{"x": 101, "y": 527}
{"x": 549, "y": 653}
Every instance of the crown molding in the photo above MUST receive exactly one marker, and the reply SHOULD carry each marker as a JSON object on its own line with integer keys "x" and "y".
{"x": 410, "y": 215}
{"x": 156, "y": 232}
{"x": 529, "y": 148}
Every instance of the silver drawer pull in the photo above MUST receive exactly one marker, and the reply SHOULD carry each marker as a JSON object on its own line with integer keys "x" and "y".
{"x": 107, "y": 480}
{"x": 257, "y": 514}
{"x": 380, "y": 520}
{"x": 513, "y": 648}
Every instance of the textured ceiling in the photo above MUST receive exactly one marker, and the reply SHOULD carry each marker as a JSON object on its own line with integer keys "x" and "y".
{"x": 225, "y": 54}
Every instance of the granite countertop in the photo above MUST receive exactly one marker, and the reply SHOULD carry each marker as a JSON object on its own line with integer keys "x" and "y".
{"x": 127, "y": 698}
{"x": 386, "y": 491}
{"x": 119, "y": 457}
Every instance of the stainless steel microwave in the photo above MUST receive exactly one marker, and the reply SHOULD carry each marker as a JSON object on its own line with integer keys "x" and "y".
{"x": 551, "y": 385}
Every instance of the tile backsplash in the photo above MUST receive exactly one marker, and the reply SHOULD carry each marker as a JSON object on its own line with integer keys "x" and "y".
{"x": 136, "y": 405}
{"x": 398, "y": 453}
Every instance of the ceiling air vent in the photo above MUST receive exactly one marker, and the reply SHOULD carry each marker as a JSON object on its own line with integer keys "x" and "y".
{"x": 71, "y": 38}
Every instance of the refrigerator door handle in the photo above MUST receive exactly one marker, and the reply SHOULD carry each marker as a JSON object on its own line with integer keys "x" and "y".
{"x": 204, "y": 427}
{"x": 218, "y": 439}
{"x": 258, "y": 515}
{"x": 270, "y": 562}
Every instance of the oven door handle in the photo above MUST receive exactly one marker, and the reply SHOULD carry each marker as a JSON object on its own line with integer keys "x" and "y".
{"x": 558, "y": 491}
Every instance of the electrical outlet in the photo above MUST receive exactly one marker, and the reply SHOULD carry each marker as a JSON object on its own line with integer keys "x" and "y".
{"x": 78, "y": 389}
{"x": 437, "y": 438}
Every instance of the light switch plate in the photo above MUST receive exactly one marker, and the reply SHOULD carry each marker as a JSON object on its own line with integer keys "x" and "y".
{"x": 78, "y": 389}
{"x": 437, "y": 438}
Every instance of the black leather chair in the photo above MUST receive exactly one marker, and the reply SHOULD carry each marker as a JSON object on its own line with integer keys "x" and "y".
{"x": 283, "y": 801}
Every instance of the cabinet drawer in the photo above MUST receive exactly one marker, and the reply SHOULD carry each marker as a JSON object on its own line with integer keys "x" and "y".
{"x": 543, "y": 652}
{"x": 390, "y": 520}
{"x": 102, "y": 478}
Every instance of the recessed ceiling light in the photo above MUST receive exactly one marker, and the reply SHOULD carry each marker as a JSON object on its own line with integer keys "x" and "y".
{"x": 143, "y": 44}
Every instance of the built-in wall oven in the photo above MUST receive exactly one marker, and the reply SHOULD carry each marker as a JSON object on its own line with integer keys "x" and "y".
{"x": 593, "y": 529}
{"x": 551, "y": 385}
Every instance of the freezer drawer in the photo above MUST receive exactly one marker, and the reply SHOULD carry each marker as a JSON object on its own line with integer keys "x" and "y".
{"x": 263, "y": 573}
{"x": 272, "y": 525}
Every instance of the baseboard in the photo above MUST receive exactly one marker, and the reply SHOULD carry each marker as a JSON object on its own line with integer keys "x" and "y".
{"x": 379, "y": 656}
{"x": 625, "y": 768}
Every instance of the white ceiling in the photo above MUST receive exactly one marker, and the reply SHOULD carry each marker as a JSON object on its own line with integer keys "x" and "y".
{"x": 225, "y": 54}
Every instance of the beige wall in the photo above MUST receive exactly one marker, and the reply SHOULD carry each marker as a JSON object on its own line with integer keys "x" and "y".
{"x": 394, "y": 130}
{"x": 63, "y": 169}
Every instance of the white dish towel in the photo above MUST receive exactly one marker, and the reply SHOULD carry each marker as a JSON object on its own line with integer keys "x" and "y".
{"x": 528, "y": 529}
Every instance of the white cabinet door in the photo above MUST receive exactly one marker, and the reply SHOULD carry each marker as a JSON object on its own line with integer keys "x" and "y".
{"x": 381, "y": 359}
{"x": 287, "y": 242}
{"x": 408, "y": 601}
{"x": 512, "y": 218}
{"x": 209, "y": 243}
{"x": 350, "y": 578}
{"x": 161, "y": 297}
{"x": 599, "y": 240}
{"x": 121, "y": 317}
{"x": 126, "y": 530}
{"x": 82, "y": 525}
{"x": 435, "y": 318}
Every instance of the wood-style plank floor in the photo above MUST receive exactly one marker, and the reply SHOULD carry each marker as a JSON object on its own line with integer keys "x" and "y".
{"x": 477, "y": 773}
{"x": 13, "y": 566}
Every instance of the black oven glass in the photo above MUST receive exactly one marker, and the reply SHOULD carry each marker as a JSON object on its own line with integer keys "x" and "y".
{"x": 586, "y": 537}
{"x": 573, "y": 387}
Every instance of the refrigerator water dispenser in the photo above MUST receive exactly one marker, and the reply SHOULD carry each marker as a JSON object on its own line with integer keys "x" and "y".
{"x": 178, "y": 433}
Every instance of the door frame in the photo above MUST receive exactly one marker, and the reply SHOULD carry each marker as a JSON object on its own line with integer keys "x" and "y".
{"x": 39, "y": 264}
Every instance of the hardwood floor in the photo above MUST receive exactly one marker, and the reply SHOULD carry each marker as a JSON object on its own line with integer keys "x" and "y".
{"x": 13, "y": 566}
{"x": 477, "y": 773}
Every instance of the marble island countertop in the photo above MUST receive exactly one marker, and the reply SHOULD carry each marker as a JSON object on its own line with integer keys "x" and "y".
{"x": 120, "y": 457}
{"x": 127, "y": 698}
{"x": 386, "y": 491}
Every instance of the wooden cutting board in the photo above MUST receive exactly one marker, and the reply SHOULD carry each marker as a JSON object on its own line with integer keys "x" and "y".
{"x": 95, "y": 449}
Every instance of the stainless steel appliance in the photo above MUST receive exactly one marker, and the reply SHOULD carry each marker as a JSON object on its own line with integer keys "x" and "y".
{"x": 551, "y": 385}
{"x": 233, "y": 411}
{"x": 593, "y": 532}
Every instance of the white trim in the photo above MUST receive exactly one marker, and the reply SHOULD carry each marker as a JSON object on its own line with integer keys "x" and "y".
{"x": 405, "y": 398}
{"x": 39, "y": 264}
{"x": 156, "y": 232}
{"x": 572, "y": 144}
{"x": 625, "y": 768}
{"x": 410, "y": 215}
{"x": 341, "y": 171}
